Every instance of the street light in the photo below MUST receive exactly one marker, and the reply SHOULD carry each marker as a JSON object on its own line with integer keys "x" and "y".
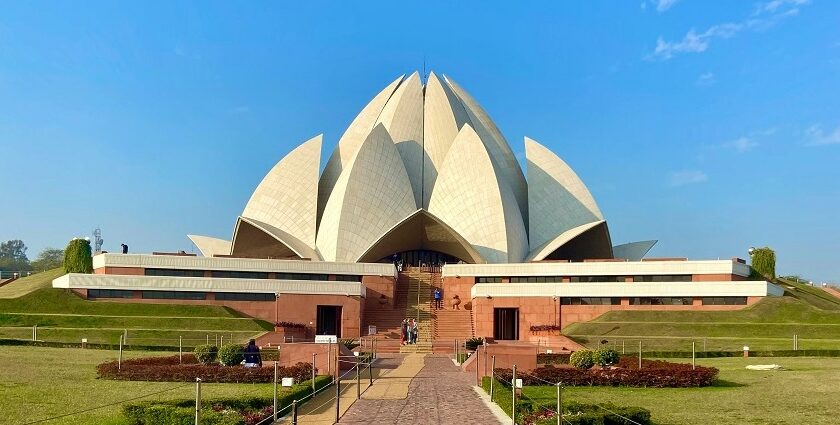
{"x": 751, "y": 250}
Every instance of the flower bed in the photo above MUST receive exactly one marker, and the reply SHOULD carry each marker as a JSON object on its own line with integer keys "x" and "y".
{"x": 170, "y": 370}
{"x": 654, "y": 373}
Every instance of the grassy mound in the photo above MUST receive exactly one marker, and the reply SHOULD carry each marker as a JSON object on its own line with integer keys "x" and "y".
{"x": 810, "y": 313}
{"x": 26, "y": 285}
{"x": 62, "y": 316}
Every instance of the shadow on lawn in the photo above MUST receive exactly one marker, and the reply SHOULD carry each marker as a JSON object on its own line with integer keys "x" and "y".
{"x": 722, "y": 383}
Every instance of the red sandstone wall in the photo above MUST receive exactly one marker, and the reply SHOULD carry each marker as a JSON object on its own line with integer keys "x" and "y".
{"x": 715, "y": 277}
{"x": 544, "y": 311}
{"x": 293, "y": 353}
{"x": 132, "y": 271}
{"x": 375, "y": 287}
{"x": 289, "y": 308}
{"x": 303, "y": 309}
{"x": 524, "y": 356}
{"x": 457, "y": 285}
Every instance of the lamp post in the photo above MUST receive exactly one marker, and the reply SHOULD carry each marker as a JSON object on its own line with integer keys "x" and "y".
{"x": 276, "y": 308}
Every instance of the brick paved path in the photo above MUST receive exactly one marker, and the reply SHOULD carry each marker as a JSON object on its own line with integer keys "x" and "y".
{"x": 439, "y": 394}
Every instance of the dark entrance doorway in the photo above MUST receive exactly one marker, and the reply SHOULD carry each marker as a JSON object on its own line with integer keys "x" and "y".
{"x": 506, "y": 323}
{"x": 418, "y": 258}
{"x": 328, "y": 321}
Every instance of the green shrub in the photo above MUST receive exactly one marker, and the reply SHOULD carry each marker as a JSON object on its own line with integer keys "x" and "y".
{"x": 553, "y": 358}
{"x": 606, "y": 357}
{"x": 231, "y": 354}
{"x": 473, "y": 343}
{"x": 764, "y": 263}
{"x": 77, "y": 257}
{"x": 163, "y": 414}
{"x": 207, "y": 353}
{"x": 582, "y": 359}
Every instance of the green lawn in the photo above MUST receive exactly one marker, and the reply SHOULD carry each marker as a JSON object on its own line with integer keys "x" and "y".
{"x": 62, "y": 316}
{"x": 767, "y": 325}
{"x": 805, "y": 393}
{"x": 38, "y": 383}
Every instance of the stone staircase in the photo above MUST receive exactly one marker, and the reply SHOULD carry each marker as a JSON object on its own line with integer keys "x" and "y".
{"x": 418, "y": 306}
{"x": 387, "y": 319}
{"x": 453, "y": 324}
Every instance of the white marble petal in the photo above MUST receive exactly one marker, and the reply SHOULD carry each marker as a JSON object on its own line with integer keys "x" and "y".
{"x": 443, "y": 118}
{"x": 471, "y": 198}
{"x": 633, "y": 251}
{"x": 286, "y": 241}
{"x": 496, "y": 144}
{"x": 210, "y": 246}
{"x": 403, "y": 118}
{"x": 287, "y": 197}
{"x": 372, "y": 195}
{"x": 558, "y": 199}
{"x": 553, "y": 244}
{"x": 350, "y": 141}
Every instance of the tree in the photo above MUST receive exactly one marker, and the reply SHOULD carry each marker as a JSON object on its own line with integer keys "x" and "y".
{"x": 764, "y": 262}
{"x": 48, "y": 259}
{"x": 77, "y": 257}
{"x": 13, "y": 256}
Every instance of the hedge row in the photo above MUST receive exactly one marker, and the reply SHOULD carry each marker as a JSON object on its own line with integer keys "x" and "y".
{"x": 554, "y": 358}
{"x": 170, "y": 370}
{"x": 758, "y": 353}
{"x": 573, "y": 413}
{"x": 654, "y": 373}
{"x": 218, "y": 411}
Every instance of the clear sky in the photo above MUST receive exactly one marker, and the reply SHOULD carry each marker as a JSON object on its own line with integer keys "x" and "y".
{"x": 711, "y": 126}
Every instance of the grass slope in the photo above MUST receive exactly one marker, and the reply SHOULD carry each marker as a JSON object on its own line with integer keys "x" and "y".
{"x": 770, "y": 324}
{"x": 25, "y": 285}
{"x": 63, "y": 316}
{"x": 803, "y": 394}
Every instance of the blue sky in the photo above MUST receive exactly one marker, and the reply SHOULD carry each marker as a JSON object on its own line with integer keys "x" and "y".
{"x": 711, "y": 126}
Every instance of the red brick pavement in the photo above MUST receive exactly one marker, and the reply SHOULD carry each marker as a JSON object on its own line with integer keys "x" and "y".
{"x": 439, "y": 394}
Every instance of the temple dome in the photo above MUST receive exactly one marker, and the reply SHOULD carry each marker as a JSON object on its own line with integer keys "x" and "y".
{"x": 422, "y": 167}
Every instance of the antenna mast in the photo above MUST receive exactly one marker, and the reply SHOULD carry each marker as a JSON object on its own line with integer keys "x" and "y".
{"x": 97, "y": 241}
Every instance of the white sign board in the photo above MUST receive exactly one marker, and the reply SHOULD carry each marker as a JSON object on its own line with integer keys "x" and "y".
{"x": 326, "y": 339}
{"x": 548, "y": 351}
{"x": 287, "y": 382}
{"x": 518, "y": 383}
{"x": 371, "y": 329}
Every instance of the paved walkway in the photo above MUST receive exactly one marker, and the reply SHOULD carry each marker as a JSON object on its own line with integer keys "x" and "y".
{"x": 439, "y": 394}
{"x": 392, "y": 374}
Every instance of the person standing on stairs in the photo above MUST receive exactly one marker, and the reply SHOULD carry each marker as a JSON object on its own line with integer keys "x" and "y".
{"x": 413, "y": 331}
{"x": 438, "y": 299}
{"x": 403, "y": 331}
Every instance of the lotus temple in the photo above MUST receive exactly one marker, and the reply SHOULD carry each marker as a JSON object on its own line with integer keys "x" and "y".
{"x": 422, "y": 191}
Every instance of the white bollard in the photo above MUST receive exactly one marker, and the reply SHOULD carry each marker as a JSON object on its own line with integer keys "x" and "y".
{"x": 197, "y": 401}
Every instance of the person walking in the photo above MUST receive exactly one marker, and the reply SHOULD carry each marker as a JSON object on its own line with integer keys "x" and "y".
{"x": 124, "y": 248}
{"x": 403, "y": 332}
{"x": 438, "y": 299}
{"x": 252, "y": 355}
